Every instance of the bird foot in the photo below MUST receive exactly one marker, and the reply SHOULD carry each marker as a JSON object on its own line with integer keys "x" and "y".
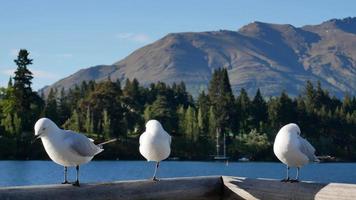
{"x": 76, "y": 184}
{"x": 294, "y": 181}
{"x": 155, "y": 179}
{"x": 286, "y": 180}
{"x": 65, "y": 182}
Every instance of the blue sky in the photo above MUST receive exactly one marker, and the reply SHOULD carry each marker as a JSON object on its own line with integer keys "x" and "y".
{"x": 65, "y": 36}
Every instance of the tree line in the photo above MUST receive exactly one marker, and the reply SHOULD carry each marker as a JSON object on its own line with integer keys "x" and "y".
{"x": 110, "y": 109}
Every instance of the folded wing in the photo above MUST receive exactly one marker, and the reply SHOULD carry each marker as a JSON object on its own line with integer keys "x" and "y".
{"x": 307, "y": 149}
{"x": 82, "y": 145}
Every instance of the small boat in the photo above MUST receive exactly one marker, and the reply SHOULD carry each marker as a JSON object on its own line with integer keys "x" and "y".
{"x": 328, "y": 158}
{"x": 174, "y": 158}
{"x": 243, "y": 159}
{"x": 223, "y": 158}
{"x": 218, "y": 156}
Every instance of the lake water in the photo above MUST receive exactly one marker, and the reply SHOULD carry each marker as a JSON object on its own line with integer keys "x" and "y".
{"x": 46, "y": 172}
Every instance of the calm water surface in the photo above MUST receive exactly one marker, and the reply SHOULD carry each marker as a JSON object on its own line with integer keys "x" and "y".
{"x": 46, "y": 172}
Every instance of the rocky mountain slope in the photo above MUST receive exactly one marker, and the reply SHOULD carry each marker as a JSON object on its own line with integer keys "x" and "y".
{"x": 272, "y": 57}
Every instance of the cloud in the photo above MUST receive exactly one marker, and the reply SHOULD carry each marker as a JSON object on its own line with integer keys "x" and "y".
{"x": 36, "y": 73}
{"x": 134, "y": 37}
{"x": 45, "y": 74}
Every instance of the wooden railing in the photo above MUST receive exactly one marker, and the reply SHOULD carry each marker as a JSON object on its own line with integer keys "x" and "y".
{"x": 191, "y": 188}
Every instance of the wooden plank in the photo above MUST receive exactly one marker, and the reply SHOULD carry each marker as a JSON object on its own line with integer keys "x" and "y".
{"x": 190, "y": 188}
{"x": 236, "y": 188}
{"x": 197, "y": 188}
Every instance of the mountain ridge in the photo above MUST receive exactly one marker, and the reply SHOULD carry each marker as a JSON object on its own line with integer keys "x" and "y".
{"x": 272, "y": 57}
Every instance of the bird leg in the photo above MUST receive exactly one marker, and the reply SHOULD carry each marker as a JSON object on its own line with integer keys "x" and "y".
{"x": 65, "y": 175}
{"x": 76, "y": 183}
{"x": 154, "y": 175}
{"x": 287, "y": 179}
{"x": 296, "y": 180}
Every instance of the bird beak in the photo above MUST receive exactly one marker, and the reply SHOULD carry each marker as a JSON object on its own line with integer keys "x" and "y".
{"x": 35, "y": 138}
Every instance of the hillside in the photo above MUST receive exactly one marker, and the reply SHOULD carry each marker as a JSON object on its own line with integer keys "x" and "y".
{"x": 272, "y": 57}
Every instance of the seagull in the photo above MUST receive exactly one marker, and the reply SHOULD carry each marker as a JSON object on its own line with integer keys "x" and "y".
{"x": 293, "y": 150}
{"x": 66, "y": 147}
{"x": 155, "y": 144}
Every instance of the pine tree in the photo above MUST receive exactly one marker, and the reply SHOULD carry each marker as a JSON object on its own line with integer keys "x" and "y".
{"x": 281, "y": 111}
{"x": 89, "y": 122}
{"x": 8, "y": 123}
{"x": 106, "y": 125}
{"x": 309, "y": 96}
{"x": 203, "y": 113}
{"x": 243, "y": 106}
{"x": 28, "y": 103}
{"x": 22, "y": 82}
{"x": 107, "y": 95}
{"x": 181, "y": 120}
{"x": 73, "y": 123}
{"x": 147, "y": 113}
{"x": 222, "y": 99}
{"x": 202, "y": 120}
{"x": 161, "y": 111}
{"x": 347, "y": 103}
{"x": 134, "y": 101}
{"x": 17, "y": 123}
{"x": 63, "y": 107}
{"x": 259, "y": 109}
{"x": 191, "y": 128}
{"x": 212, "y": 123}
{"x": 8, "y": 107}
{"x": 51, "y": 108}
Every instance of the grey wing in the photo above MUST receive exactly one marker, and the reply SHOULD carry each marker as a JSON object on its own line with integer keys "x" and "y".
{"x": 307, "y": 149}
{"x": 168, "y": 137}
{"x": 82, "y": 145}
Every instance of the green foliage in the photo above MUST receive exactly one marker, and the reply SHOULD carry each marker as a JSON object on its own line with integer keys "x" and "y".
{"x": 64, "y": 108}
{"x": 9, "y": 115}
{"x": 27, "y": 103}
{"x": 51, "y": 107}
{"x": 191, "y": 124}
{"x": 243, "y": 105}
{"x": 89, "y": 121}
{"x": 106, "y": 125}
{"x": 258, "y": 109}
{"x": 212, "y": 123}
{"x": 252, "y": 145}
{"x": 163, "y": 112}
{"x": 73, "y": 123}
{"x": 105, "y": 110}
{"x": 221, "y": 99}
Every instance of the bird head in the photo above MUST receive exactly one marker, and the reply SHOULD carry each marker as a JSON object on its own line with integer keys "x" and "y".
{"x": 43, "y": 127}
{"x": 292, "y": 128}
{"x": 153, "y": 125}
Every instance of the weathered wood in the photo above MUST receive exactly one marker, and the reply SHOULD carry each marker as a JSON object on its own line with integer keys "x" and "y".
{"x": 236, "y": 188}
{"x": 198, "y": 188}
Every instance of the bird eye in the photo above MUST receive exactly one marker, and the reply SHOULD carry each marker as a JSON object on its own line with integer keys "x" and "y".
{"x": 43, "y": 129}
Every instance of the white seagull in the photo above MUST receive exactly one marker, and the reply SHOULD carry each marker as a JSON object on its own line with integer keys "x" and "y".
{"x": 293, "y": 150}
{"x": 66, "y": 147}
{"x": 155, "y": 143}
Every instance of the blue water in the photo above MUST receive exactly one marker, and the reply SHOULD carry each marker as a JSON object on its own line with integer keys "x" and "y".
{"x": 46, "y": 172}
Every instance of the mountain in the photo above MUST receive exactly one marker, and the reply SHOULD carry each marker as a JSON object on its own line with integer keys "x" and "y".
{"x": 272, "y": 57}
